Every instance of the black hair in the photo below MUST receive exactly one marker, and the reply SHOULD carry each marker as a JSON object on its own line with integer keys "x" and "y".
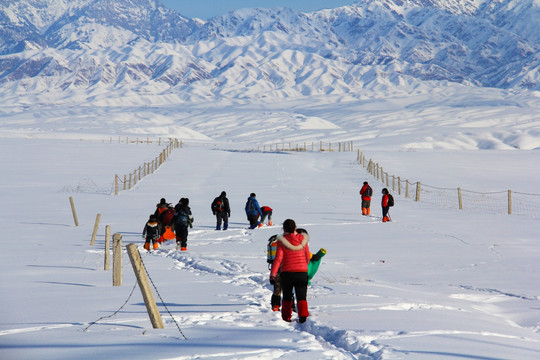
{"x": 289, "y": 226}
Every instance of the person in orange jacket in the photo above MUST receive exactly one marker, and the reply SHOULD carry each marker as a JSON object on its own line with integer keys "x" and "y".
{"x": 385, "y": 203}
{"x": 292, "y": 258}
{"x": 366, "y": 192}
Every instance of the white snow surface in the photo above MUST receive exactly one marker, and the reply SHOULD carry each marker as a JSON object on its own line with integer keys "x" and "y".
{"x": 433, "y": 283}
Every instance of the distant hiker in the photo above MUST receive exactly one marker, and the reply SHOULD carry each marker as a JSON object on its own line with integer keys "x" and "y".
{"x": 253, "y": 211}
{"x": 366, "y": 192}
{"x": 292, "y": 258}
{"x": 151, "y": 232}
{"x": 222, "y": 210}
{"x": 182, "y": 220}
{"x": 266, "y": 213}
{"x": 160, "y": 207}
{"x": 387, "y": 201}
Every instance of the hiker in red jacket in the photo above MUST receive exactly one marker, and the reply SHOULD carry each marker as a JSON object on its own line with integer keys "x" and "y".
{"x": 366, "y": 191}
{"x": 385, "y": 205}
{"x": 292, "y": 258}
{"x": 266, "y": 214}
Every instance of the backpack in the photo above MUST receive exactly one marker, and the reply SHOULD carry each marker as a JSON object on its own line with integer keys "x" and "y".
{"x": 251, "y": 206}
{"x": 271, "y": 249}
{"x": 217, "y": 205}
{"x": 390, "y": 200}
{"x": 167, "y": 216}
{"x": 369, "y": 191}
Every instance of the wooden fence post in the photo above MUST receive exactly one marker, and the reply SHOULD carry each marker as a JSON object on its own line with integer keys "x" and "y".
{"x": 94, "y": 233}
{"x": 418, "y": 191}
{"x": 407, "y": 188}
{"x": 509, "y": 202}
{"x": 460, "y": 202}
{"x": 107, "y": 261}
{"x": 116, "y": 184}
{"x": 142, "y": 280}
{"x": 399, "y": 185}
{"x": 117, "y": 259}
{"x": 73, "y": 211}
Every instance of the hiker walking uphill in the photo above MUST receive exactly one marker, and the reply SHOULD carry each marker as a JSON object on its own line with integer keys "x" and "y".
{"x": 366, "y": 192}
{"x": 222, "y": 210}
{"x": 182, "y": 220}
{"x": 151, "y": 233}
{"x": 253, "y": 211}
{"x": 292, "y": 258}
{"x": 160, "y": 207}
{"x": 387, "y": 201}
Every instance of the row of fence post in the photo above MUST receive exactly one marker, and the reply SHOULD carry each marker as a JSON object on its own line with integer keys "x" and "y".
{"x": 347, "y": 146}
{"x": 378, "y": 172}
{"x": 136, "y": 262}
{"x": 147, "y": 168}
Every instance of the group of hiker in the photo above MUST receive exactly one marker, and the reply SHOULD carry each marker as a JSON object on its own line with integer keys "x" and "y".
{"x": 168, "y": 222}
{"x": 387, "y": 201}
{"x": 172, "y": 222}
{"x": 291, "y": 263}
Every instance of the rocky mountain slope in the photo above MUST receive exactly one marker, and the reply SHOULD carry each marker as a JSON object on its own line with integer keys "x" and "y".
{"x": 141, "y": 45}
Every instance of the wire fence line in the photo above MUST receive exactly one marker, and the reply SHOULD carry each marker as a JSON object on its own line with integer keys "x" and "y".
{"x": 147, "y": 168}
{"x": 499, "y": 202}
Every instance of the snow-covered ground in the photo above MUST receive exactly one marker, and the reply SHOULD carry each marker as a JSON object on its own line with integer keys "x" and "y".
{"x": 434, "y": 283}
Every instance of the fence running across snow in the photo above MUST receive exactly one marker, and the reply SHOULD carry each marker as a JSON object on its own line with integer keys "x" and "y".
{"x": 500, "y": 202}
{"x": 131, "y": 179}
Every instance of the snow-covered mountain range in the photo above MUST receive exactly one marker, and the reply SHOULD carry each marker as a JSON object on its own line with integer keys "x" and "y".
{"x": 143, "y": 46}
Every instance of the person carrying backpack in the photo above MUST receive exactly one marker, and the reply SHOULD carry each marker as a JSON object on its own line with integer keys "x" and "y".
{"x": 253, "y": 211}
{"x": 222, "y": 210}
{"x": 387, "y": 201}
{"x": 292, "y": 258}
{"x": 182, "y": 220}
{"x": 165, "y": 220}
{"x": 366, "y": 192}
{"x": 151, "y": 233}
{"x": 160, "y": 207}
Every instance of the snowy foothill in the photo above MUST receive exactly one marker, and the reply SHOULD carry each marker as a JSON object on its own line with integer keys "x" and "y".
{"x": 434, "y": 283}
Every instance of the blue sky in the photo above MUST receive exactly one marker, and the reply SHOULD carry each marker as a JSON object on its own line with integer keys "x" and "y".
{"x": 205, "y": 9}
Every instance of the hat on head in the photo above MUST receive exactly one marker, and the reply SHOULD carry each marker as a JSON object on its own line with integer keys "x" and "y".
{"x": 252, "y": 195}
{"x": 223, "y": 193}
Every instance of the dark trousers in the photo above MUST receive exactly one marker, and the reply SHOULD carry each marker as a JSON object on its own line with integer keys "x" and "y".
{"x": 253, "y": 221}
{"x": 222, "y": 217}
{"x": 181, "y": 231}
{"x": 294, "y": 280}
{"x": 385, "y": 211}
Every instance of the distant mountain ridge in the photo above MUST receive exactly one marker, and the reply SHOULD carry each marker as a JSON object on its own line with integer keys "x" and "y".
{"x": 87, "y": 44}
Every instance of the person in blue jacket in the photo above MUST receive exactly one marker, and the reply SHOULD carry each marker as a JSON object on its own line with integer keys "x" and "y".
{"x": 253, "y": 211}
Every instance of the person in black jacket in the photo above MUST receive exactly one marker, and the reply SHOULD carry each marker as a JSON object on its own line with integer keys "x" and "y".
{"x": 182, "y": 220}
{"x": 222, "y": 210}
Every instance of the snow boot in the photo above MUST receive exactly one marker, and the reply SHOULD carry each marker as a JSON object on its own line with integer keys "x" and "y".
{"x": 286, "y": 310}
{"x": 225, "y": 226}
{"x": 367, "y": 211}
{"x": 364, "y": 211}
{"x": 260, "y": 224}
{"x": 302, "y": 311}
{"x": 218, "y": 227}
{"x": 156, "y": 245}
{"x": 146, "y": 246}
{"x": 275, "y": 301}
{"x": 270, "y": 223}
